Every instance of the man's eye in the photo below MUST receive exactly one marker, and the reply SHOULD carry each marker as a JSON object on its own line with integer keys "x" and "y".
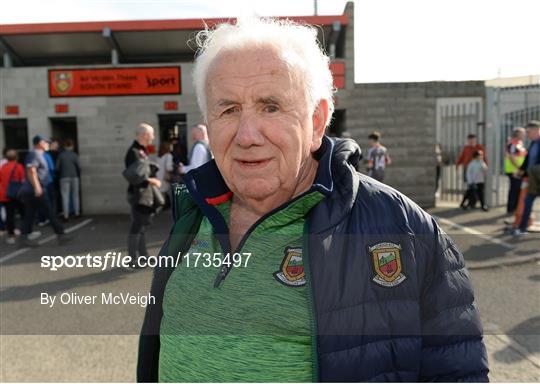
{"x": 271, "y": 108}
{"x": 230, "y": 110}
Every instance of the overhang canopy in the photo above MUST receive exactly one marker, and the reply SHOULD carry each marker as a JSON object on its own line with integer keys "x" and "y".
{"x": 143, "y": 41}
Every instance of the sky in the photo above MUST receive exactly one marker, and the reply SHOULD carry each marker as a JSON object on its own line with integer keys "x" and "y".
{"x": 395, "y": 40}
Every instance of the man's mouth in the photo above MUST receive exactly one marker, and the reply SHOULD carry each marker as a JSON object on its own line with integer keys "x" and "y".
{"x": 244, "y": 163}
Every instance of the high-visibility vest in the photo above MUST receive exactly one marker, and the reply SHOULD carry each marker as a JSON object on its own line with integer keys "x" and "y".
{"x": 520, "y": 155}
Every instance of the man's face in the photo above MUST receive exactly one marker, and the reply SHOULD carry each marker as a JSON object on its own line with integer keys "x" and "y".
{"x": 372, "y": 142}
{"x": 148, "y": 137}
{"x": 43, "y": 145}
{"x": 533, "y": 133}
{"x": 54, "y": 145}
{"x": 261, "y": 131}
{"x": 471, "y": 141}
{"x": 196, "y": 134}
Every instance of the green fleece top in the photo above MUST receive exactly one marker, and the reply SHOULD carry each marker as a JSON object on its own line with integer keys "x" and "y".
{"x": 256, "y": 325}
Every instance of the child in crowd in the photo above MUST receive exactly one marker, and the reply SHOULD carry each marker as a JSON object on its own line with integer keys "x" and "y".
{"x": 476, "y": 178}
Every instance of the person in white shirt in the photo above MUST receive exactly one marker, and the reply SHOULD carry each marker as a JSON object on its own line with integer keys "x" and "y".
{"x": 200, "y": 152}
{"x": 165, "y": 162}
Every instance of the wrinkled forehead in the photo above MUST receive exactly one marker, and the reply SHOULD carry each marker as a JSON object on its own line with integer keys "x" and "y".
{"x": 254, "y": 65}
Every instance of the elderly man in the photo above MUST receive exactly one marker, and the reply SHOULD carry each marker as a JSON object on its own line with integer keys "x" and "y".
{"x": 307, "y": 270}
{"x": 200, "y": 153}
{"x": 141, "y": 215}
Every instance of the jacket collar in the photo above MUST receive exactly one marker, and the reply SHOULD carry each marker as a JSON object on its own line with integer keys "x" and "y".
{"x": 207, "y": 186}
{"x": 137, "y": 145}
{"x": 337, "y": 178}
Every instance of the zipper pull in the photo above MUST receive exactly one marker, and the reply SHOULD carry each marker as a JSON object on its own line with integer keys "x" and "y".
{"x": 221, "y": 275}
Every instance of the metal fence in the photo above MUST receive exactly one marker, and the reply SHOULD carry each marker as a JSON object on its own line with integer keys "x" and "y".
{"x": 457, "y": 117}
{"x": 506, "y": 108}
{"x": 492, "y": 119}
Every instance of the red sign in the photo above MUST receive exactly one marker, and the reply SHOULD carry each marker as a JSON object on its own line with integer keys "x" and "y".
{"x": 61, "y": 108}
{"x": 114, "y": 81}
{"x": 12, "y": 109}
{"x": 338, "y": 72}
{"x": 170, "y": 105}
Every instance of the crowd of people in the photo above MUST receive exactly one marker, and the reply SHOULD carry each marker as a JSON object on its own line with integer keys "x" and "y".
{"x": 50, "y": 178}
{"x": 529, "y": 172}
{"x": 521, "y": 165}
{"x": 44, "y": 188}
{"x": 31, "y": 190}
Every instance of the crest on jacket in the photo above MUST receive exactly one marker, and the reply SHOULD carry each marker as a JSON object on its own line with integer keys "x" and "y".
{"x": 387, "y": 264}
{"x": 292, "y": 272}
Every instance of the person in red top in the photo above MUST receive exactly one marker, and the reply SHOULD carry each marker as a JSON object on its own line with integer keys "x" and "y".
{"x": 10, "y": 171}
{"x": 467, "y": 153}
{"x": 466, "y": 156}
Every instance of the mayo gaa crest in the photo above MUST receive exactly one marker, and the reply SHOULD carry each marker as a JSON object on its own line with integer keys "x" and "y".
{"x": 291, "y": 272}
{"x": 387, "y": 264}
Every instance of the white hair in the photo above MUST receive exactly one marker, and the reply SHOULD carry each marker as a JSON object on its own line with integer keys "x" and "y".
{"x": 297, "y": 44}
{"x": 142, "y": 129}
{"x": 202, "y": 129}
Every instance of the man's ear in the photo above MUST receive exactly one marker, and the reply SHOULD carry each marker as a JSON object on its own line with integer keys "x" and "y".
{"x": 320, "y": 116}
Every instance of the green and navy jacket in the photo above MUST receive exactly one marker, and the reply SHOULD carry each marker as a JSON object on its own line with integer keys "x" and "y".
{"x": 416, "y": 321}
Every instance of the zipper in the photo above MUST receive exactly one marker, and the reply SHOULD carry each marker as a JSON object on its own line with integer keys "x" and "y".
{"x": 226, "y": 269}
{"x": 311, "y": 305}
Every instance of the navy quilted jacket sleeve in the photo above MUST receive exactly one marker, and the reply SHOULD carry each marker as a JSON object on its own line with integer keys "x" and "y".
{"x": 452, "y": 345}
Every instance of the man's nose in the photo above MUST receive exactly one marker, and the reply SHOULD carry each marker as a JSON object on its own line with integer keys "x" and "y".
{"x": 249, "y": 131}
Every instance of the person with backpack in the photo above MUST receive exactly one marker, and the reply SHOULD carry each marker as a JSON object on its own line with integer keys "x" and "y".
{"x": 11, "y": 178}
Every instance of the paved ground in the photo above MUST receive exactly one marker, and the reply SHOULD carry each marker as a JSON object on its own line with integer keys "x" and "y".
{"x": 508, "y": 299}
{"x": 505, "y": 272}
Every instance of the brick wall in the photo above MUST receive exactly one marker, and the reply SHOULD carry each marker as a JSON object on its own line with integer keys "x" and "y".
{"x": 405, "y": 113}
{"x": 105, "y": 128}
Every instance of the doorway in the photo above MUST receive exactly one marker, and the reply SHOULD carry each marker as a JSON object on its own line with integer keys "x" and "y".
{"x": 337, "y": 124}
{"x": 63, "y": 128}
{"x": 16, "y": 136}
{"x": 174, "y": 126}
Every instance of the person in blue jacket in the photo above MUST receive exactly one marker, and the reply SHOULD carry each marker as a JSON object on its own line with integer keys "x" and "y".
{"x": 293, "y": 265}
